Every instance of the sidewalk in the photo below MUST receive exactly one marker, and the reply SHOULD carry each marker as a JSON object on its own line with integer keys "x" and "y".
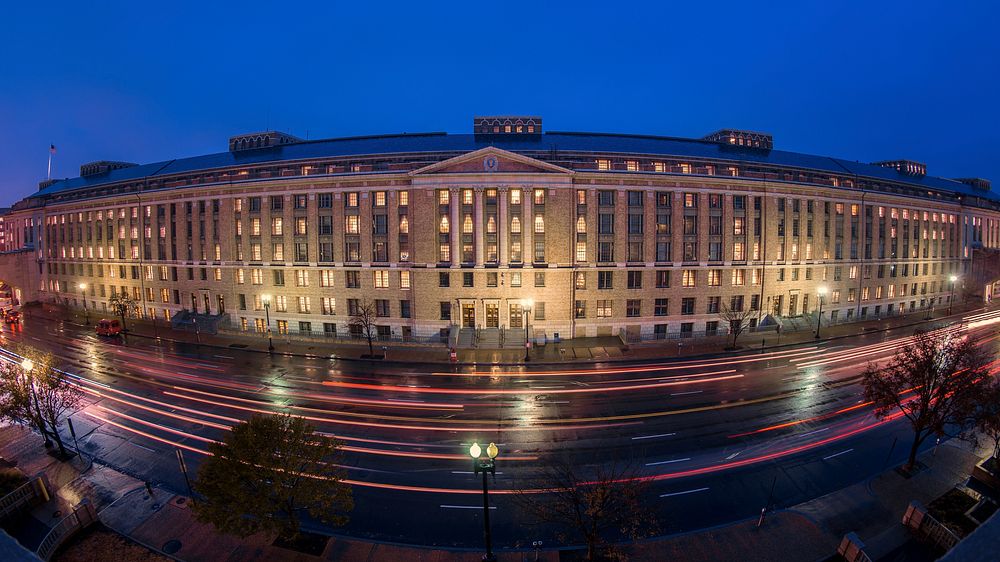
{"x": 579, "y": 350}
{"x": 808, "y": 532}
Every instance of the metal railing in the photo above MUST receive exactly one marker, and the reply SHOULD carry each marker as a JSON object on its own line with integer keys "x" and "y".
{"x": 23, "y": 497}
{"x": 918, "y": 519}
{"x": 83, "y": 516}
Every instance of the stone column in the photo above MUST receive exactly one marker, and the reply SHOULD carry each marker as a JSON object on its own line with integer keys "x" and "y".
{"x": 527, "y": 227}
{"x": 455, "y": 228}
{"x": 502, "y": 227}
{"x": 478, "y": 230}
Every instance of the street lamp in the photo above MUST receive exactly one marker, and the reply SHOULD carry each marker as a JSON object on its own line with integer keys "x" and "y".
{"x": 822, "y": 293}
{"x": 951, "y": 299}
{"x": 526, "y": 305}
{"x": 83, "y": 293}
{"x": 266, "y": 299}
{"x": 27, "y": 365}
{"x": 484, "y": 465}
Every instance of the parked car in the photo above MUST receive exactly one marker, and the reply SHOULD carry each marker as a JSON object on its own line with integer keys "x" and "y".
{"x": 109, "y": 327}
{"x": 12, "y": 317}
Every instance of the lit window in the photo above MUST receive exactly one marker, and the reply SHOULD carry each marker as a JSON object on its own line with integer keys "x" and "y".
{"x": 539, "y": 197}
{"x": 404, "y": 225}
{"x": 466, "y": 196}
{"x": 467, "y": 225}
{"x": 404, "y": 198}
{"x": 632, "y": 165}
{"x": 442, "y": 197}
{"x": 404, "y": 279}
{"x": 443, "y": 228}
{"x": 380, "y": 199}
{"x": 581, "y": 225}
{"x": 381, "y": 279}
{"x": 539, "y": 224}
{"x": 351, "y": 224}
{"x": 515, "y": 197}
{"x": 603, "y": 164}
{"x": 688, "y": 278}
{"x": 515, "y": 225}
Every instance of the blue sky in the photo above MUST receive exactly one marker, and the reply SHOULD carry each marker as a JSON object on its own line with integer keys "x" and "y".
{"x": 149, "y": 81}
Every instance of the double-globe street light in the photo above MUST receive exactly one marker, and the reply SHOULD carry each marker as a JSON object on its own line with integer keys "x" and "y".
{"x": 526, "y": 305}
{"x": 485, "y": 464}
{"x": 819, "y": 318}
{"x": 86, "y": 311}
{"x": 951, "y": 299}
{"x": 266, "y": 299}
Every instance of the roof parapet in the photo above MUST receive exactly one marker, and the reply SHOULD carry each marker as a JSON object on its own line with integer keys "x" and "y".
{"x": 976, "y": 183}
{"x": 737, "y": 137}
{"x": 263, "y": 139}
{"x": 102, "y": 167}
{"x": 506, "y": 126}
{"x": 908, "y": 167}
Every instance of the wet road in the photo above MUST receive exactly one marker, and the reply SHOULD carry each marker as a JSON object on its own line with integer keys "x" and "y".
{"x": 713, "y": 435}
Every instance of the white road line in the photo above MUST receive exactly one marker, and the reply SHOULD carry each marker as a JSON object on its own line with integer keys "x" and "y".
{"x": 555, "y": 402}
{"x": 667, "y": 462}
{"x": 837, "y": 454}
{"x": 464, "y": 506}
{"x": 812, "y": 432}
{"x": 223, "y": 357}
{"x": 686, "y": 393}
{"x": 653, "y": 436}
{"x": 733, "y": 456}
{"x": 144, "y": 447}
{"x": 683, "y": 493}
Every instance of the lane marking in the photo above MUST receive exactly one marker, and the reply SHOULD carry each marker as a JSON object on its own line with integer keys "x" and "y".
{"x": 812, "y": 432}
{"x": 667, "y": 462}
{"x": 683, "y": 493}
{"x": 733, "y": 456}
{"x": 464, "y": 506}
{"x": 686, "y": 393}
{"x": 653, "y": 436}
{"x": 837, "y": 454}
{"x": 151, "y": 450}
{"x": 223, "y": 357}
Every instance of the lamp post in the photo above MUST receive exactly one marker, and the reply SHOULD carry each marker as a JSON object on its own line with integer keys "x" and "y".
{"x": 86, "y": 312}
{"x": 951, "y": 299}
{"x": 484, "y": 465}
{"x": 267, "y": 319}
{"x": 822, "y": 293}
{"x": 526, "y": 305}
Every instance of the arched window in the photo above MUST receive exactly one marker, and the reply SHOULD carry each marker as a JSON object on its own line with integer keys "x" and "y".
{"x": 467, "y": 225}
{"x": 404, "y": 225}
{"x": 443, "y": 229}
{"x": 539, "y": 224}
{"x": 515, "y": 225}
{"x": 581, "y": 225}
{"x": 491, "y": 225}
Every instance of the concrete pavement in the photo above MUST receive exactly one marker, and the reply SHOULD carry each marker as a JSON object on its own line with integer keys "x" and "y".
{"x": 807, "y": 532}
{"x": 579, "y": 350}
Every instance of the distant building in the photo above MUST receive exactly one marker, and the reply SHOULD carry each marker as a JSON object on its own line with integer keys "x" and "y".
{"x": 645, "y": 236}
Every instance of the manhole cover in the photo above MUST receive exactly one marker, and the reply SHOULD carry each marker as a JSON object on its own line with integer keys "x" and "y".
{"x": 171, "y": 546}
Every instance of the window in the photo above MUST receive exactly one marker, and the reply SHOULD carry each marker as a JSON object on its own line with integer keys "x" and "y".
{"x": 445, "y": 310}
{"x": 276, "y": 226}
{"x": 379, "y": 199}
{"x": 633, "y": 308}
{"x": 539, "y": 224}
{"x": 467, "y": 279}
{"x": 515, "y": 225}
{"x": 444, "y": 279}
{"x": 278, "y": 277}
{"x": 713, "y": 305}
{"x": 714, "y": 277}
{"x": 351, "y": 280}
{"x": 404, "y": 279}
{"x": 381, "y": 279}
{"x": 325, "y": 200}
{"x": 605, "y": 279}
{"x": 329, "y": 305}
{"x": 660, "y": 307}
{"x": 539, "y": 278}
{"x": 690, "y": 200}
{"x": 603, "y": 164}
{"x": 687, "y": 306}
{"x": 604, "y": 308}
{"x": 351, "y": 199}
{"x": 301, "y": 278}
{"x": 352, "y": 224}
{"x": 581, "y": 280}
{"x": 539, "y": 196}
{"x": 515, "y": 197}
{"x": 688, "y": 278}
{"x": 277, "y": 203}
{"x": 382, "y": 308}
{"x": 580, "y": 309}
{"x": 662, "y": 278}
{"x": 304, "y": 305}
{"x": 300, "y": 226}
{"x": 404, "y": 198}
{"x": 635, "y": 279}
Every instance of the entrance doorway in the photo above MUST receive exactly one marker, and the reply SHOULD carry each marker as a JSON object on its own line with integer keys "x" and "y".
{"x": 516, "y": 316}
{"x": 492, "y": 315}
{"x": 468, "y": 315}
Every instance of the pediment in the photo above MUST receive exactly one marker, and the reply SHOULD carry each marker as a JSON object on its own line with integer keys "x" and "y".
{"x": 491, "y": 160}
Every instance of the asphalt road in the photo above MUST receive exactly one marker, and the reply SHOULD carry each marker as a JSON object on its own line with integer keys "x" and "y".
{"x": 713, "y": 435}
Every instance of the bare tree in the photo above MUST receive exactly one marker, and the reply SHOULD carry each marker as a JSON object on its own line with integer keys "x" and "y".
{"x": 738, "y": 320}
{"x": 594, "y": 504}
{"x": 17, "y": 398}
{"x": 268, "y": 473}
{"x": 935, "y": 382}
{"x": 988, "y": 416}
{"x": 363, "y": 320}
{"x": 40, "y": 395}
{"x": 121, "y": 304}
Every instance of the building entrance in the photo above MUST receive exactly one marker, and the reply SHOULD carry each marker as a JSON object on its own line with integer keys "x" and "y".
{"x": 492, "y": 315}
{"x": 468, "y": 316}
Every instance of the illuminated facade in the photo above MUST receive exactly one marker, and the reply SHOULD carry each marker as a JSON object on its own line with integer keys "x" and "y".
{"x": 642, "y": 236}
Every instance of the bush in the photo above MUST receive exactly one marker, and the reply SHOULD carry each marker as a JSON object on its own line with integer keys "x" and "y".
{"x": 10, "y": 480}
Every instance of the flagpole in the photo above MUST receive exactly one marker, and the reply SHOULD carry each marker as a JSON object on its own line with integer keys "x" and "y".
{"x": 48, "y": 175}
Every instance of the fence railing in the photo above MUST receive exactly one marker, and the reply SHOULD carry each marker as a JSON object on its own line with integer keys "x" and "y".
{"x": 917, "y": 518}
{"x": 24, "y": 497}
{"x": 83, "y": 516}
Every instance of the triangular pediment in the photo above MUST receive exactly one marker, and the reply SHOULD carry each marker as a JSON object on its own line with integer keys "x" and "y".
{"x": 491, "y": 160}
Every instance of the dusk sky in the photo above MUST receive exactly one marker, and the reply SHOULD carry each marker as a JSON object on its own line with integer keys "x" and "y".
{"x": 150, "y": 81}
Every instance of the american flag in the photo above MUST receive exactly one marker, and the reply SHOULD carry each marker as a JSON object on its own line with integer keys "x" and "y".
{"x": 52, "y": 149}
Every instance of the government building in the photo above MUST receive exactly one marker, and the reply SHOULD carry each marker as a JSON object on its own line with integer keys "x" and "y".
{"x": 471, "y": 238}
